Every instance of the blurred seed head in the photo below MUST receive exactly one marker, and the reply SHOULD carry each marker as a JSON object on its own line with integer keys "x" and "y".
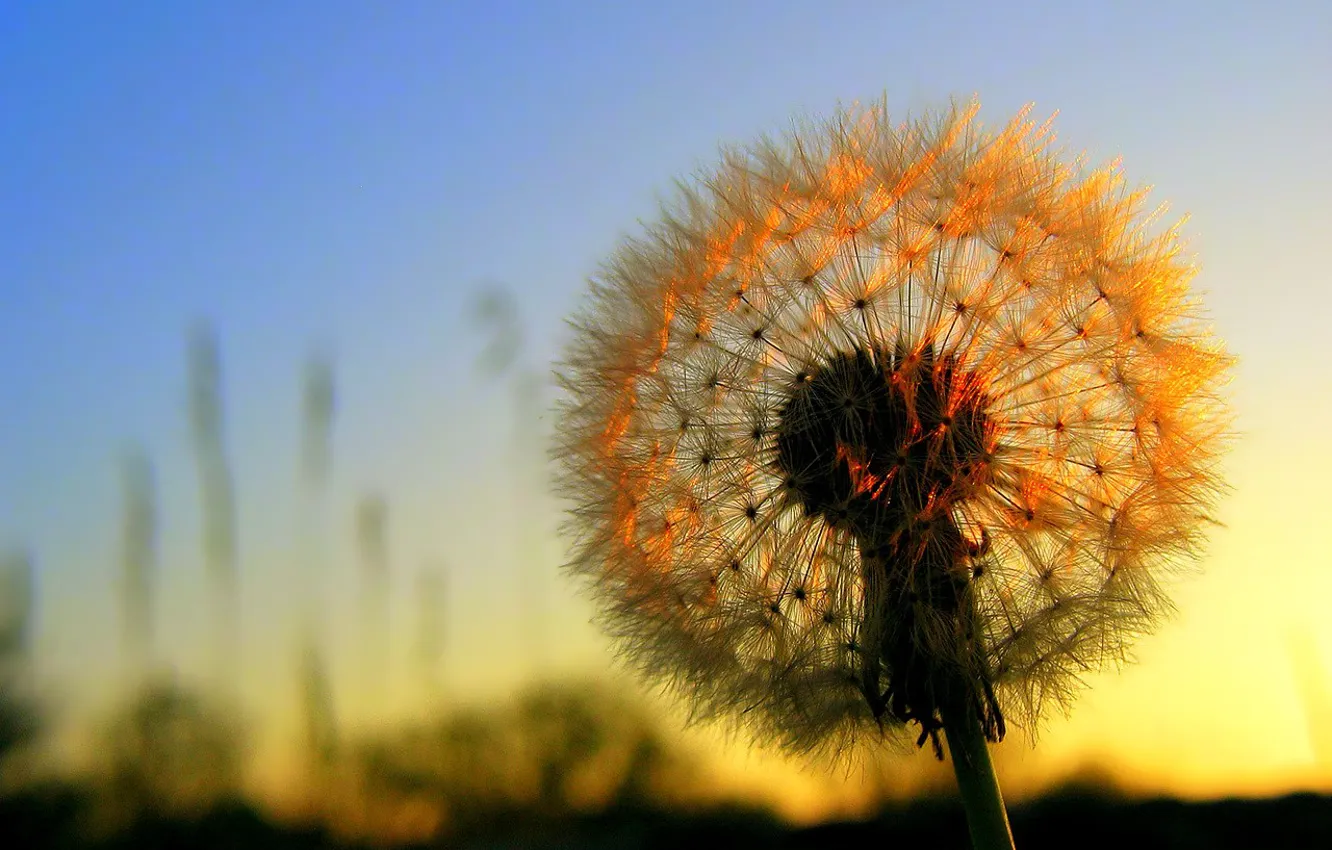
{"x": 318, "y": 405}
{"x": 217, "y": 497}
{"x": 495, "y": 309}
{"x": 205, "y": 383}
{"x": 206, "y": 420}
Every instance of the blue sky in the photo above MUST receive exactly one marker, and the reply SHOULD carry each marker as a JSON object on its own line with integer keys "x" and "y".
{"x": 347, "y": 174}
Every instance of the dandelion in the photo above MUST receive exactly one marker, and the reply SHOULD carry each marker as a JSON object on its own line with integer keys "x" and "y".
{"x": 892, "y": 430}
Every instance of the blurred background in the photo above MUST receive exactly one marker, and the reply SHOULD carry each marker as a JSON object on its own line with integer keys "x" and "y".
{"x": 280, "y": 290}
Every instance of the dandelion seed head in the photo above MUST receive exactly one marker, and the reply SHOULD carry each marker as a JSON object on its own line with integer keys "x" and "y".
{"x": 883, "y": 415}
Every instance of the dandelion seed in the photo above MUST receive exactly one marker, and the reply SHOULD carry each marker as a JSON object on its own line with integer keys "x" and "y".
{"x": 969, "y": 409}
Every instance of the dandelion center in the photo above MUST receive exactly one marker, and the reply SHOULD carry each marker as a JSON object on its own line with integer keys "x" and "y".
{"x": 884, "y": 444}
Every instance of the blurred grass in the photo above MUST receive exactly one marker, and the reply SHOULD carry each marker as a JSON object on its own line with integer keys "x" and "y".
{"x": 559, "y": 765}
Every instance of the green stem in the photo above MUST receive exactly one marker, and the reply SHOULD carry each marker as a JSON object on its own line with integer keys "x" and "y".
{"x": 987, "y": 820}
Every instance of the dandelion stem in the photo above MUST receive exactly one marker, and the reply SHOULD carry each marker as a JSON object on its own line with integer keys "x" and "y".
{"x": 987, "y": 819}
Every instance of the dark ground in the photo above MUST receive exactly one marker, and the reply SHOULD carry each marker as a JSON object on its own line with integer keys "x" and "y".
{"x": 56, "y": 818}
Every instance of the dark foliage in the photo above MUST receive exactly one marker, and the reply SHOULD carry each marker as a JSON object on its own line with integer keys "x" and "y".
{"x": 51, "y": 818}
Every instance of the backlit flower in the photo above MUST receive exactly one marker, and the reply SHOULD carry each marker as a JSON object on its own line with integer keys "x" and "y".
{"x": 878, "y": 417}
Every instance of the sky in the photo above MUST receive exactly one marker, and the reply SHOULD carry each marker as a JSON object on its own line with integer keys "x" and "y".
{"x": 345, "y": 177}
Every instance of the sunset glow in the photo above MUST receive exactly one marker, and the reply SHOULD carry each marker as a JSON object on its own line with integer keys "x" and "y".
{"x": 247, "y": 413}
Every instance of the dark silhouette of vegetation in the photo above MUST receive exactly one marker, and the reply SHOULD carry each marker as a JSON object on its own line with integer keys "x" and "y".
{"x": 17, "y": 723}
{"x": 52, "y": 817}
{"x": 18, "y": 720}
{"x": 556, "y": 754}
{"x": 167, "y": 751}
{"x": 18, "y": 715}
{"x": 572, "y": 765}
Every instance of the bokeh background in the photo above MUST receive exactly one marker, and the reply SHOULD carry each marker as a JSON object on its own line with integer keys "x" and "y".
{"x": 280, "y": 289}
